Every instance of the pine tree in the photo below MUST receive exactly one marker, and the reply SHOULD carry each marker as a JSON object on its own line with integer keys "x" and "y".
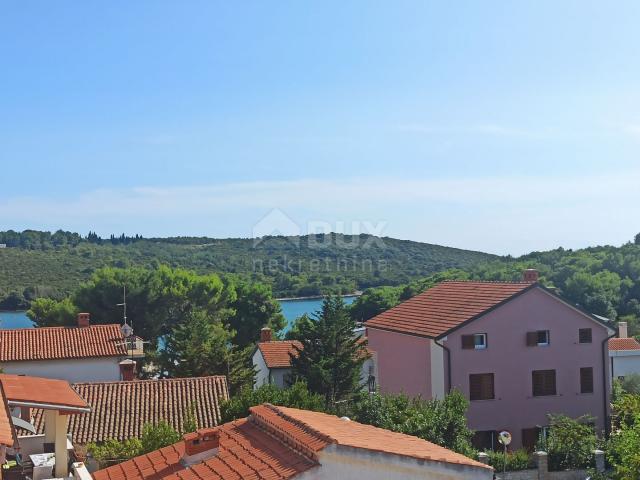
{"x": 331, "y": 358}
{"x": 202, "y": 346}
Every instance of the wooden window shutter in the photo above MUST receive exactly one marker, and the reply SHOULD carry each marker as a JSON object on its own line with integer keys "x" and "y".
{"x": 544, "y": 382}
{"x": 532, "y": 339}
{"x": 530, "y": 438}
{"x": 468, "y": 342}
{"x": 584, "y": 335}
{"x": 586, "y": 380}
{"x": 481, "y": 386}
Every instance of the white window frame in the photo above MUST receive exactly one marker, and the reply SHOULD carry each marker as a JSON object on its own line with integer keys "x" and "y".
{"x": 483, "y": 346}
{"x": 548, "y": 335}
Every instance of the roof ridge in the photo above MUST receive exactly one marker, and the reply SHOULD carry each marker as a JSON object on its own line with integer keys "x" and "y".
{"x": 58, "y": 327}
{"x": 152, "y": 380}
{"x": 514, "y": 282}
{"x": 288, "y": 438}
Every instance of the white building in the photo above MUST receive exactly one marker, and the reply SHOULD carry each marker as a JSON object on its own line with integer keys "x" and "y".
{"x": 624, "y": 353}
{"x": 272, "y": 359}
{"x": 84, "y": 353}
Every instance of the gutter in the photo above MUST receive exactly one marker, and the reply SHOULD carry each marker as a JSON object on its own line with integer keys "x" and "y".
{"x": 48, "y": 406}
{"x": 448, "y": 364}
{"x": 607, "y": 427}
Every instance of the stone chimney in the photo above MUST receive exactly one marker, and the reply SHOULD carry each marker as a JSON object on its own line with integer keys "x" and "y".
{"x": 83, "y": 319}
{"x": 127, "y": 370}
{"x": 622, "y": 330}
{"x": 265, "y": 334}
{"x": 200, "y": 445}
{"x": 530, "y": 275}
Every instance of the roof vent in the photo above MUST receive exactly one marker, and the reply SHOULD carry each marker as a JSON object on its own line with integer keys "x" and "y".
{"x": 345, "y": 419}
{"x": 622, "y": 330}
{"x": 84, "y": 319}
{"x": 265, "y": 334}
{"x": 200, "y": 445}
{"x": 530, "y": 275}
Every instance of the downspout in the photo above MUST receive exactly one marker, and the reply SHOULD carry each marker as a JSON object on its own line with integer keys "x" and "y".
{"x": 448, "y": 364}
{"x": 607, "y": 427}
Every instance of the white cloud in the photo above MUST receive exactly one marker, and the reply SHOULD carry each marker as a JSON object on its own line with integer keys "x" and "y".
{"x": 498, "y": 214}
{"x": 489, "y": 129}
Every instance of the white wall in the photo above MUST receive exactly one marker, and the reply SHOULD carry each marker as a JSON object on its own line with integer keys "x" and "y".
{"x": 346, "y": 463}
{"x": 262, "y": 375}
{"x": 72, "y": 370}
{"x": 625, "y": 362}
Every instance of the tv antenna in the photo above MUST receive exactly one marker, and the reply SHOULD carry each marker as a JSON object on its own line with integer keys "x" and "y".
{"x": 126, "y": 329}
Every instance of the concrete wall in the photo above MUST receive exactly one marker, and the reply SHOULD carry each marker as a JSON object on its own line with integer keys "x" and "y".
{"x": 345, "y": 463}
{"x": 262, "y": 375}
{"x": 404, "y": 362}
{"x": 73, "y": 370}
{"x": 625, "y": 362}
{"x": 512, "y": 361}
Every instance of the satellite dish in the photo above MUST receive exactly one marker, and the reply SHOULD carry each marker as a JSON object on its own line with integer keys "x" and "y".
{"x": 504, "y": 438}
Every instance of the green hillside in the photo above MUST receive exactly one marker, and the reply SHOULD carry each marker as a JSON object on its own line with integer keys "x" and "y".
{"x": 604, "y": 280}
{"x": 43, "y": 264}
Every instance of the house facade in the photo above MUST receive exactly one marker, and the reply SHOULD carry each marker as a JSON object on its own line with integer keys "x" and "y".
{"x": 272, "y": 360}
{"x": 283, "y": 443}
{"x": 516, "y": 350}
{"x": 83, "y": 353}
{"x": 624, "y": 352}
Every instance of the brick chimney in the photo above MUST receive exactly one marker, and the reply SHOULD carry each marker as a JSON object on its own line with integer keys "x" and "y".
{"x": 127, "y": 370}
{"x": 265, "y": 334}
{"x": 84, "y": 319}
{"x": 622, "y": 330}
{"x": 200, "y": 445}
{"x": 530, "y": 275}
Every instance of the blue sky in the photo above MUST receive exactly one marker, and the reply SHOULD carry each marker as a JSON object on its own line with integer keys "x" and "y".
{"x": 497, "y": 126}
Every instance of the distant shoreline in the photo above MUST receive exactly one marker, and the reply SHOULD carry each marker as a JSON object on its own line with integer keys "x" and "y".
{"x": 315, "y": 297}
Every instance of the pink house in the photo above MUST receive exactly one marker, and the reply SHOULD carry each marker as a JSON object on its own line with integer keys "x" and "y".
{"x": 516, "y": 350}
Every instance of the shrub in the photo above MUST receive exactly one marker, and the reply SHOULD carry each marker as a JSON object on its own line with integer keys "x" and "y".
{"x": 113, "y": 451}
{"x": 570, "y": 442}
{"x": 518, "y": 460}
{"x": 296, "y": 396}
{"x": 439, "y": 421}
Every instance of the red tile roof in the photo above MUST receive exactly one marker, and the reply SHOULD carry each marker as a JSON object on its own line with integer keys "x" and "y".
{"x": 444, "y": 307}
{"x": 7, "y": 432}
{"x": 49, "y": 343}
{"x": 45, "y": 391}
{"x": 120, "y": 410}
{"x": 246, "y": 452}
{"x": 623, "y": 344}
{"x": 277, "y": 354}
{"x": 277, "y": 443}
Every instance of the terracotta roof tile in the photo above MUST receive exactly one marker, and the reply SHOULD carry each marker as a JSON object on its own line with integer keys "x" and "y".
{"x": 623, "y": 344}
{"x": 19, "y": 388}
{"x": 445, "y": 306}
{"x": 50, "y": 343}
{"x": 120, "y": 410}
{"x": 245, "y": 452}
{"x": 277, "y": 443}
{"x": 358, "y": 435}
{"x": 277, "y": 354}
{"x": 7, "y": 432}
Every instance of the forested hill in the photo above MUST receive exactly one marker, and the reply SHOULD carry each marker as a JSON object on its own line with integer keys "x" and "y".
{"x": 604, "y": 280}
{"x": 37, "y": 263}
